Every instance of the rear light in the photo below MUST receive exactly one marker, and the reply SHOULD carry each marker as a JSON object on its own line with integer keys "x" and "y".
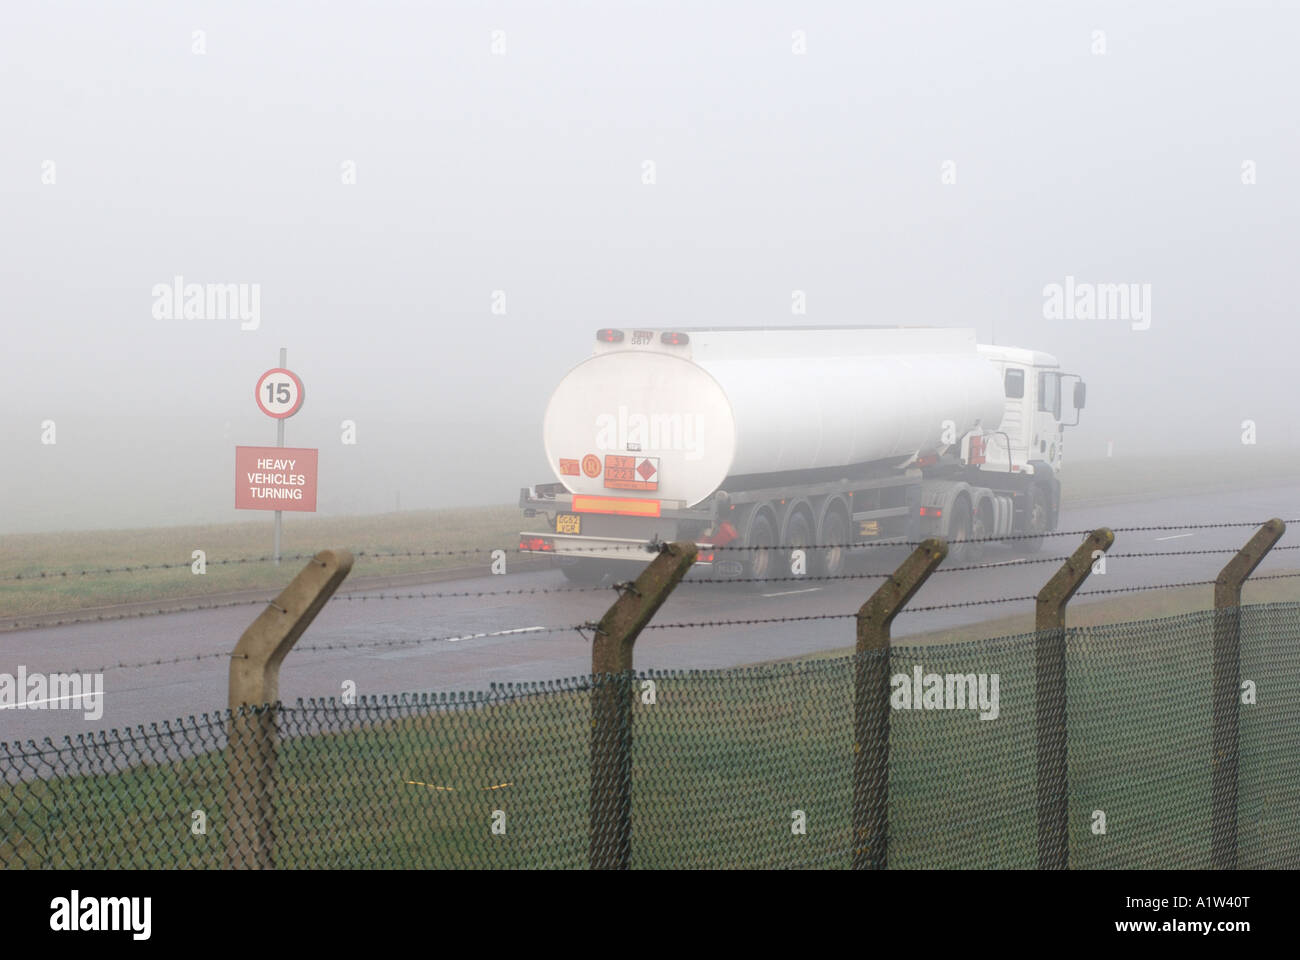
{"x": 609, "y": 335}
{"x": 704, "y": 557}
{"x": 931, "y": 512}
{"x": 535, "y": 544}
{"x": 674, "y": 339}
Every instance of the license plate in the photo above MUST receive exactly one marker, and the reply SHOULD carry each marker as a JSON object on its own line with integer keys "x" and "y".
{"x": 868, "y": 528}
{"x": 568, "y": 523}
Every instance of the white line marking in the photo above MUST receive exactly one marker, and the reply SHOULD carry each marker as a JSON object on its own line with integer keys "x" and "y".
{"x": 28, "y": 703}
{"x": 1003, "y": 563}
{"x": 786, "y": 593}
{"x": 498, "y": 633}
{"x": 1177, "y": 536}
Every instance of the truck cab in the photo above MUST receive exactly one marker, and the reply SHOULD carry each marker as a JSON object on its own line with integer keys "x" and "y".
{"x": 1032, "y": 434}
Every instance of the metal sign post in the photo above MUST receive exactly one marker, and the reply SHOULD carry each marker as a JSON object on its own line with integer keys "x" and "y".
{"x": 279, "y": 442}
{"x": 284, "y": 396}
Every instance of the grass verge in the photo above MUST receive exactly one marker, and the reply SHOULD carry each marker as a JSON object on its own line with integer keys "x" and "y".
{"x": 237, "y": 556}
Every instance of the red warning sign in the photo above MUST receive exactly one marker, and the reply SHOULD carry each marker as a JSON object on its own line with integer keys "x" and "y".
{"x": 631, "y": 473}
{"x": 591, "y": 465}
{"x": 275, "y": 478}
{"x": 568, "y": 468}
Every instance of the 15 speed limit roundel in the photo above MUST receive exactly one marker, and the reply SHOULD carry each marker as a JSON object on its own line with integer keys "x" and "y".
{"x": 279, "y": 393}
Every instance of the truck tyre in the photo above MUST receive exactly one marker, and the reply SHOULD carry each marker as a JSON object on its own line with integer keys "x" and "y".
{"x": 584, "y": 571}
{"x": 759, "y": 564}
{"x": 1036, "y": 521}
{"x": 831, "y": 559}
{"x": 799, "y": 535}
{"x": 961, "y": 530}
{"x": 981, "y": 530}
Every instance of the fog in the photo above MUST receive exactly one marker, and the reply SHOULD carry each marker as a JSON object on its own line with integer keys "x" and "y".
{"x": 440, "y": 203}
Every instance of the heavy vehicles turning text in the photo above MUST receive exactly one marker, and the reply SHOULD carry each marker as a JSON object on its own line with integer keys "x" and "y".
{"x": 824, "y": 438}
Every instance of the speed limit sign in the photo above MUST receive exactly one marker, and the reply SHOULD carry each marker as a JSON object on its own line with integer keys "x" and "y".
{"x": 279, "y": 393}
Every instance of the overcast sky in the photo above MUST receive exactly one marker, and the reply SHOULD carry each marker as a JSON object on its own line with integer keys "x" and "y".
{"x": 504, "y": 147}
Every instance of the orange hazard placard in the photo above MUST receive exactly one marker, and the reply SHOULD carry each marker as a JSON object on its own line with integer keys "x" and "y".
{"x": 568, "y": 468}
{"x": 631, "y": 473}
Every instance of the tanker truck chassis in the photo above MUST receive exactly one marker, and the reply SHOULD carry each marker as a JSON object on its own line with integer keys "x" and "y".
{"x": 831, "y": 518}
{"x": 981, "y": 475}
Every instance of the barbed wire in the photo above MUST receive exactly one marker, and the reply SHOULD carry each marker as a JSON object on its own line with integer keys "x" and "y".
{"x": 578, "y": 589}
{"x": 229, "y": 561}
{"x": 161, "y": 662}
{"x": 1010, "y": 537}
{"x": 650, "y": 546}
{"x": 793, "y": 578}
{"x": 127, "y": 615}
{"x": 40, "y": 621}
{"x": 582, "y": 628}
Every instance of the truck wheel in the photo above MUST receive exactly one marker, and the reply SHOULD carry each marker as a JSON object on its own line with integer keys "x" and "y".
{"x": 584, "y": 571}
{"x": 798, "y": 536}
{"x": 961, "y": 530}
{"x": 981, "y": 531}
{"x": 759, "y": 563}
{"x": 829, "y": 561}
{"x": 1036, "y": 521}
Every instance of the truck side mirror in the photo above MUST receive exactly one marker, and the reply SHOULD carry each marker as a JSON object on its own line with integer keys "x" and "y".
{"x": 1080, "y": 395}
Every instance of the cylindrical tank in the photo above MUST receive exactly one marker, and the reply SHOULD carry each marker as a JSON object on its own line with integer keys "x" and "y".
{"x": 657, "y": 424}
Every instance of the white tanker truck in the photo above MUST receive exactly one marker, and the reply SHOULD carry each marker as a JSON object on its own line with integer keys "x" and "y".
{"x": 827, "y": 438}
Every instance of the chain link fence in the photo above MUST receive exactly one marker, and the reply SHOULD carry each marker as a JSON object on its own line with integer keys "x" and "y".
{"x": 736, "y": 768}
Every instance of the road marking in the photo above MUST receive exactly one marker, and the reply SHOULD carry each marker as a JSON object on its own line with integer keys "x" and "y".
{"x": 498, "y": 633}
{"x": 1003, "y": 563}
{"x": 786, "y": 593}
{"x": 1177, "y": 536}
{"x": 71, "y": 696}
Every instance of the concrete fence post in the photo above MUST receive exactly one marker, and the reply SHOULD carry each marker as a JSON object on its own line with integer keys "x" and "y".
{"x": 1227, "y": 680}
{"x": 254, "y": 693}
{"x": 610, "y": 843}
{"x": 1049, "y": 642}
{"x": 871, "y": 703}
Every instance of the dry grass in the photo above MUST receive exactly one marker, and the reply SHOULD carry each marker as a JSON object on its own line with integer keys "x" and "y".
{"x": 64, "y": 556}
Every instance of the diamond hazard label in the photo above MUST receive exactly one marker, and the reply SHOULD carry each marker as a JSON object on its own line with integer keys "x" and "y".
{"x": 631, "y": 473}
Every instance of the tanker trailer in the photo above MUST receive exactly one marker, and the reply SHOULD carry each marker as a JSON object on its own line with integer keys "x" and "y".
{"x": 754, "y": 442}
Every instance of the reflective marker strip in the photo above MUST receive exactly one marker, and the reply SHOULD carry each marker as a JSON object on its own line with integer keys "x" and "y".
{"x": 618, "y": 505}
